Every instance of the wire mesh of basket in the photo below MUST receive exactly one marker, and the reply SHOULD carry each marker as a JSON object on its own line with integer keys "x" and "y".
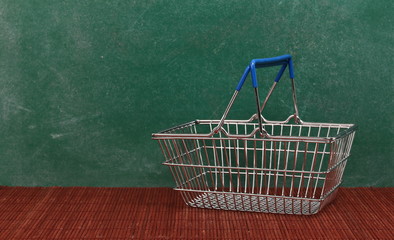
{"x": 255, "y": 164}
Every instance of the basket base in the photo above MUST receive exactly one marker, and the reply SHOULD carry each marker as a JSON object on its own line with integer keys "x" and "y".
{"x": 252, "y": 203}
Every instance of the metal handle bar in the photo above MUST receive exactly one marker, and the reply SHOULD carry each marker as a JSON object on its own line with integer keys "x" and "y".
{"x": 285, "y": 60}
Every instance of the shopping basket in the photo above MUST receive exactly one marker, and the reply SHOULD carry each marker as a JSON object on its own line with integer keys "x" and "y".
{"x": 255, "y": 164}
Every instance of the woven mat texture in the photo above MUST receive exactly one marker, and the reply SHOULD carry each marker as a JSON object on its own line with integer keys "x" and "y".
{"x": 160, "y": 213}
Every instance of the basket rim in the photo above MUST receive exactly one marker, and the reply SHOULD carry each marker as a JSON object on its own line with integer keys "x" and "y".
{"x": 167, "y": 133}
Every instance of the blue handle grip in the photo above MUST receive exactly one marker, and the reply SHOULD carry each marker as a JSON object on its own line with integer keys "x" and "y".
{"x": 267, "y": 62}
{"x": 243, "y": 78}
{"x": 280, "y": 73}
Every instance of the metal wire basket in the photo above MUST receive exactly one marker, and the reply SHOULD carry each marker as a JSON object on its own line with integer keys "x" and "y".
{"x": 258, "y": 165}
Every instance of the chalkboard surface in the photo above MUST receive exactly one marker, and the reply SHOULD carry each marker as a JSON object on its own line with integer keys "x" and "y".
{"x": 83, "y": 84}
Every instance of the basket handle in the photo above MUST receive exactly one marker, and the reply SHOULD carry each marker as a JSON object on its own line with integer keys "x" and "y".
{"x": 284, "y": 60}
{"x": 266, "y": 62}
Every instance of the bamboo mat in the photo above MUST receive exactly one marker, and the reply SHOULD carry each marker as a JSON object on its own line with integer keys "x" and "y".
{"x": 159, "y": 213}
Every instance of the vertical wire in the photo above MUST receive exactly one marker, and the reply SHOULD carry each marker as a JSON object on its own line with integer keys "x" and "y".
{"x": 285, "y": 156}
{"x": 339, "y": 129}
{"x": 321, "y": 164}
{"x": 214, "y": 186}
{"x": 186, "y": 194}
{"x": 264, "y": 172}
{"x": 254, "y": 166}
{"x": 335, "y": 170}
{"x": 312, "y": 170}
{"x": 346, "y": 151}
{"x": 221, "y": 159}
{"x": 177, "y": 178}
{"x": 246, "y": 172}
{"x": 177, "y": 156}
{"x": 275, "y": 178}
{"x": 318, "y": 131}
{"x": 312, "y": 173}
{"x": 270, "y": 164}
{"x": 339, "y": 171}
{"x": 341, "y": 154}
{"x": 347, "y": 143}
{"x": 237, "y": 158}
{"x": 348, "y": 140}
{"x": 162, "y": 150}
{"x": 269, "y": 173}
{"x": 286, "y": 172}
{"x": 298, "y": 175}
{"x": 229, "y": 157}
{"x": 218, "y": 173}
{"x": 263, "y": 166}
{"x": 197, "y": 151}
{"x": 250, "y": 176}
{"x": 286, "y": 147}
{"x": 255, "y": 176}
{"x": 219, "y": 170}
{"x": 302, "y": 174}
{"x": 333, "y": 161}
{"x": 239, "y": 180}
{"x": 279, "y": 153}
{"x": 292, "y": 179}
{"x": 228, "y": 165}
{"x": 194, "y": 181}
{"x": 193, "y": 169}
{"x": 214, "y": 159}
{"x": 173, "y": 159}
{"x": 182, "y": 169}
{"x": 237, "y": 167}
{"x": 351, "y": 142}
{"x": 171, "y": 150}
{"x": 187, "y": 170}
{"x": 303, "y": 169}
{"x": 246, "y": 164}
{"x": 223, "y": 144}
{"x": 203, "y": 174}
{"x": 294, "y": 168}
{"x": 197, "y": 144}
{"x": 331, "y": 156}
{"x": 208, "y": 161}
{"x": 276, "y": 166}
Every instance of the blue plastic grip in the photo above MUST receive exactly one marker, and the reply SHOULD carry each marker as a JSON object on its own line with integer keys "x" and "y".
{"x": 291, "y": 69}
{"x": 243, "y": 78}
{"x": 275, "y": 61}
{"x": 253, "y": 74}
{"x": 280, "y": 73}
{"x": 267, "y": 62}
{"x": 283, "y": 60}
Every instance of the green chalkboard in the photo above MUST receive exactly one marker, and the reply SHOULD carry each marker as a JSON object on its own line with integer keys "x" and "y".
{"x": 83, "y": 84}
